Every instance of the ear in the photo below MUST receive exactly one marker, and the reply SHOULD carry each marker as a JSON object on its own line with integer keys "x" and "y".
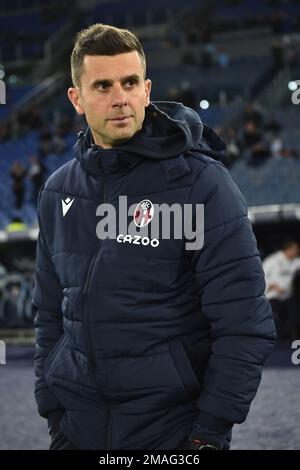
{"x": 148, "y": 84}
{"x": 75, "y": 98}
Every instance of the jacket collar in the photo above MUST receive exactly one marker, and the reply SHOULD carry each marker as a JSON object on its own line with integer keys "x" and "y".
{"x": 98, "y": 161}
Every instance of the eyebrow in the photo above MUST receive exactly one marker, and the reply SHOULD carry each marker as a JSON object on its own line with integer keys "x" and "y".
{"x": 107, "y": 81}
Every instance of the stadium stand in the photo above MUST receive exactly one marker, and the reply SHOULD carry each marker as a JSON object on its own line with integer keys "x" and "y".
{"x": 236, "y": 62}
{"x": 217, "y": 59}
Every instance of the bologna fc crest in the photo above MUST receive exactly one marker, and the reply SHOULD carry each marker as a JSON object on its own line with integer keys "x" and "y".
{"x": 143, "y": 213}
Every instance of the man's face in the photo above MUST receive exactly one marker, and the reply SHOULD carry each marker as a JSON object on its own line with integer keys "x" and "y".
{"x": 113, "y": 95}
{"x": 292, "y": 251}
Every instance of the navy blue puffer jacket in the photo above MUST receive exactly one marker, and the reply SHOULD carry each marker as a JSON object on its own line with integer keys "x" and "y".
{"x": 139, "y": 346}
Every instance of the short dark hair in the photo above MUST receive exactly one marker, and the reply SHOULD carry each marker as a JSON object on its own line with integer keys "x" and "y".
{"x": 288, "y": 242}
{"x": 102, "y": 39}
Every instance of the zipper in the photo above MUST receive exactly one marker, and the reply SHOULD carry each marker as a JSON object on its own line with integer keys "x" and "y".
{"x": 86, "y": 314}
{"x": 105, "y": 185}
{"x": 105, "y": 188}
{"x": 88, "y": 277}
{"x": 109, "y": 429}
{"x": 87, "y": 324}
{"x": 84, "y": 295}
{"x": 109, "y": 419}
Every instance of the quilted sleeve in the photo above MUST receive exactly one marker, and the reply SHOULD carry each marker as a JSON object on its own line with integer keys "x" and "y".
{"x": 46, "y": 303}
{"x": 230, "y": 281}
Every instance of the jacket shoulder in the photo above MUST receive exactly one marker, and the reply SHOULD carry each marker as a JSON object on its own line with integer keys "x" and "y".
{"x": 215, "y": 188}
{"x": 57, "y": 179}
{"x": 199, "y": 162}
{"x": 209, "y": 172}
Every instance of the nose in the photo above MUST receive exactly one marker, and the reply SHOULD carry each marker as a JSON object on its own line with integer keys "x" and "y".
{"x": 119, "y": 97}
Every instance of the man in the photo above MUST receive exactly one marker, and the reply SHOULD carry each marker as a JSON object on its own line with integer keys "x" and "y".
{"x": 142, "y": 343}
{"x": 18, "y": 174}
{"x": 280, "y": 270}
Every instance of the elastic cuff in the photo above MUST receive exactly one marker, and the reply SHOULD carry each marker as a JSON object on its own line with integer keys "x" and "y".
{"x": 212, "y": 430}
{"x": 212, "y": 423}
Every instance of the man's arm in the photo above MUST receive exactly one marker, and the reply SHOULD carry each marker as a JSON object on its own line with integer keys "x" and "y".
{"x": 46, "y": 303}
{"x": 230, "y": 280}
{"x": 272, "y": 278}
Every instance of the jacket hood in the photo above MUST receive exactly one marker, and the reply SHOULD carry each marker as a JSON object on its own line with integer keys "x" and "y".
{"x": 169, "y": 129}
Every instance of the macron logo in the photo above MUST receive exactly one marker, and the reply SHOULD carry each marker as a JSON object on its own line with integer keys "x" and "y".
{"x": 66, "y": 204}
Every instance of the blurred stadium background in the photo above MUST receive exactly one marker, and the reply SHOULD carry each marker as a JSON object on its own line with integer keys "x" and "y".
{"x": 236, "y": 63}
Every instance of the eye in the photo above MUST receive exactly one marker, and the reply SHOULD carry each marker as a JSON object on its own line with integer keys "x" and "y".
{"x": 131, "y": 82}
{"x": 102, "y": 86}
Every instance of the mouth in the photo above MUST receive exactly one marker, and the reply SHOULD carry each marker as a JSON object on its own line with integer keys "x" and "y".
{"x": 121, "y": 119}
